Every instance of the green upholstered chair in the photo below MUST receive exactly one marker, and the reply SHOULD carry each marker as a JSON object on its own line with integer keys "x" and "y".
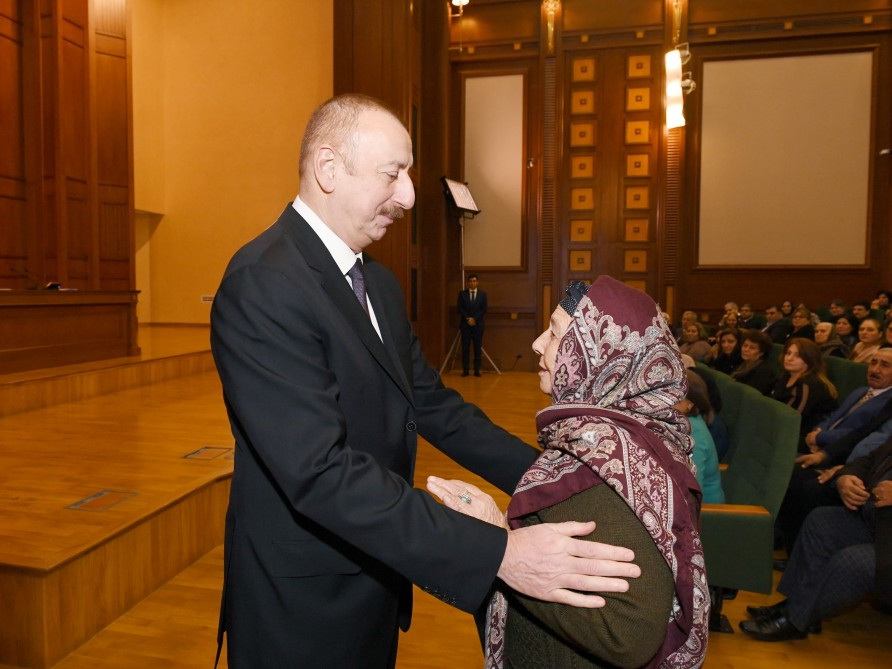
{"x": 738, "y": 536}
{"x": 845, "y": 375}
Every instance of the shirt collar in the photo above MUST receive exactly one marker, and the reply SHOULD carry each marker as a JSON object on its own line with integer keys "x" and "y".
{"x": 343, "y": 255}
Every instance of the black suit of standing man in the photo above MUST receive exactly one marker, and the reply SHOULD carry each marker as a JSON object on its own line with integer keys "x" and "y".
{"x": 326, "y": 395}
{"x": 472, "y": 307}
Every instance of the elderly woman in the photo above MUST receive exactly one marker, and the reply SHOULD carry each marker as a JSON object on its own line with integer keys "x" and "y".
{"x": 695, "y": 342}
{"x": 829, "y": 342}
{"x": 870, "y": 338}
{"x": 614, "y": 375}
{"x": 756, "y": 371}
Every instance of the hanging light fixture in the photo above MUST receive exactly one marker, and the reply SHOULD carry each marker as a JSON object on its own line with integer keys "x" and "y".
{"x": 674, "y": 94}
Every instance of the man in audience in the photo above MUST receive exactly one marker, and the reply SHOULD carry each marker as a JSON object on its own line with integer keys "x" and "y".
{"x": 861, "y": 424}
{"x": 860, "y": 311}
{"x": 777, "y": 327}
{"x": 841, "y": 555}
{"x": 686, "y": 317}
{"x": 749, "y": 320}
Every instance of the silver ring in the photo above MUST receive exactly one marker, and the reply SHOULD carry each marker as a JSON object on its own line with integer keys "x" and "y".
{"x": 465, "y": 497}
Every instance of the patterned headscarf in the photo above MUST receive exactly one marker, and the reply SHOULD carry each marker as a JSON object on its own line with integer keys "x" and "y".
{"x": 617, "y": 376}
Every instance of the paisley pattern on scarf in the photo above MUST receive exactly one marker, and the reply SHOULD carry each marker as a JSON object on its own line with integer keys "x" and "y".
{"x": 617, "y": 376}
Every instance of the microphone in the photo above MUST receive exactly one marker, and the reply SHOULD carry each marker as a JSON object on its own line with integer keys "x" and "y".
{"x": 39, "y": 283}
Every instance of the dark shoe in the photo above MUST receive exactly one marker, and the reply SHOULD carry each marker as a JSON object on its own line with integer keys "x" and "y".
{"x": 815, "y": 629}
{"x": 778, "y": 628}
{"x": 464, "y": 373}
{"x": 779, "y": 609}
{"x": 780, "y": 565}
{"x": 477, "y": 373}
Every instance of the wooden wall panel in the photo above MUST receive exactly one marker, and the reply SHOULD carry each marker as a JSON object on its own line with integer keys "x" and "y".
{"x": 66, "y": 167}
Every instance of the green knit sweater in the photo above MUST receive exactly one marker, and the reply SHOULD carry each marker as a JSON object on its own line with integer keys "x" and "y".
{"x": 628, "y": 631}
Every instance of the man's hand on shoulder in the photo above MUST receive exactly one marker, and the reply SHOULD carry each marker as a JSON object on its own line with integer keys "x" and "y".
{"x": 548, "y": 563}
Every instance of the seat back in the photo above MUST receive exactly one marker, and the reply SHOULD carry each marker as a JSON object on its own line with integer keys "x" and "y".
{"x": 845, "y": 375}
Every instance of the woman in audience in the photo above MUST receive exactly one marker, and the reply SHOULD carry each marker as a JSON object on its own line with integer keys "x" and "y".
{"x": 829, "y": 342}
{"x": 756, "y": 371}
{"x": 846, "y": 331}
{"x": 802, "y": 327}
{"x": 786, "y": 308}
{"x": 729, "y": 320}
{"x": 695, "y": 406}
{"x": 726, "y": 352}
{"x": 694, "y": 342}
{"x": 803, "y": 385}
{"x": 870, "y": 335}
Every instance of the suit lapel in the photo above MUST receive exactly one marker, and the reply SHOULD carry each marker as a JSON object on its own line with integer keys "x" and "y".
{"x": 344, "y": 300}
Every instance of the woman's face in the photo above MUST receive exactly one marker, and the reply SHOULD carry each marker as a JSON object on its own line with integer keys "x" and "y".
{"x": 728, "y": 343}
{"x": 799, "y": 320}
{"x": 882, "y": 300}
{"x": 792, "y": 362}
{"x": 750, "y": 351}
{"x": 869, "y": 333}
{"x": 786, "y": 307}
{"x": 691, "y": 333}
{"x": 843, "y": 327}
{"x": 546, "y": 346}
{"x": 889, "y": 333}
{"x": 731, "y": 320}
{"x": 822, "y": 332}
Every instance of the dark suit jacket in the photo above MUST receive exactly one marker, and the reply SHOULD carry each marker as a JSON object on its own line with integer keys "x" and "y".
{"x": 475, "y": 309}
{"x": 831, "y": 440}
{"x": 324, "y": 532}
{"x": 871, "y": 469}
{"x": 779, "y": 330}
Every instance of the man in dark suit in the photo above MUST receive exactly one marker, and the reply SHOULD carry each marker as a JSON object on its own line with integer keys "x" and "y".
{"x": 327, "y": 391}
{"x": 861, "y": 423}
{"x": 472, "y": 309}
{"x": 842, "y": 555}
{"x": 777, "y": 327}
{"x": 749, "y": 320}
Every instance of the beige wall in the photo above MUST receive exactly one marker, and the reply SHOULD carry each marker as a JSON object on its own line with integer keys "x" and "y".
{"x": 221, "y": 92}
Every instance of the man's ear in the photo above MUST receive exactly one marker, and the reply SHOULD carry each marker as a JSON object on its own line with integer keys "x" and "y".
{"x": 324, "y": 167}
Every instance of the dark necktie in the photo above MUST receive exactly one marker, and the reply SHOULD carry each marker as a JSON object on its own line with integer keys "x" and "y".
{"x": 357, "y": 277}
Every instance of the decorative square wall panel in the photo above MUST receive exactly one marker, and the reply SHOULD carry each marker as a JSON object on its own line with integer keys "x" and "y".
{"x": 582, "y": 102}
{"x": 582, "y": 134}
{"x": 580, "y": 261}
{"x": 639, "y": 66}
{"x": 638, "y": 99}
{"x": 636, "y": 230}
{"x": 637, "y": 132}
{"x": 582, "y": 198}
{"x": 637, "y": 197}
{"x": 637, "y": 165}
{"x": 635, "y": 261}
{"x": 582, "y": 167}
{"x": 584, "y": 69}
{"x": 581, "y": 230}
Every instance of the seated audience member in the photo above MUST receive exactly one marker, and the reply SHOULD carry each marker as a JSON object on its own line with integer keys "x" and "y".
{"x": 687, "y": 316}
{"x": 726, "y": 351}
{"x": 860, "y": 311}
{"x": 802, "y": 327}
{"x": 846, "y": 331}
{"x": 730, "y": 308}
{"x": 870, "y": 336}
{"x": 882, "y": 301}
{"x": 786, "y": 308}
{"x": 695, "y": 406}
{"x": 614, "y": 375}
{"x": 837, "y": 308}
{"x": 776, "y": 326}
{"x": 729, "y": 320}
{"x": 829, "y": 342}
{"x": 748, "y": 319}
{"x": 887, "y": 333}
{"x": 755, "y": 370}
{"x": 859, "y": 425}
{"x": 713, "y": 418}
{"x": 841, "y": 555}
{"x": 803, "y": 385}
{"x": 695, "y": 343}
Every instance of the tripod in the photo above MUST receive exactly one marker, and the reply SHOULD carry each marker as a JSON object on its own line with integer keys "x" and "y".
{"x": 453, "y": 350}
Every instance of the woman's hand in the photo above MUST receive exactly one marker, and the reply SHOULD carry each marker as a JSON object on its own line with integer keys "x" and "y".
{"x": 467, "y": 499}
